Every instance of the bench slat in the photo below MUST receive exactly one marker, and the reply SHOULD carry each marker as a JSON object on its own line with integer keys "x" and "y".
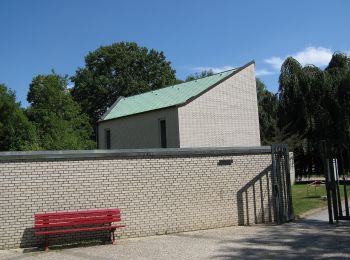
{"x": 76, "y": 230}
{"x": 82, "y": 213}
{"x": 82, "y": 222}
{"x": 76, "y": 219}
{"x": 46, "y": 218}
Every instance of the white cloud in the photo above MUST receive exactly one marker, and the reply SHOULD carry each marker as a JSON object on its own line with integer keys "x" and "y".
{"x": 263, "y": 72}
{"x": 214, "y": 69}
{"x": 275, "y": 62}
{"x": 318, "y": 56}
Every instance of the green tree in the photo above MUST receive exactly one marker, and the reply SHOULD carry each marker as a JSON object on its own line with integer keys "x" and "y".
{"x": 58, "y": 118}
{"x": 291, "y": 112}
{"x": 292, "y": 116}
{"x": 313, "y": 94}
{"x": 267, "y": 104}
{"x": 121, "y": 69}
{"x": 204, "y": 73}
{"x": 313, "y": 105}
{"x": 343, "y": 98}
{"x": 337, "y": 75}
{"x": 16, "y": 132}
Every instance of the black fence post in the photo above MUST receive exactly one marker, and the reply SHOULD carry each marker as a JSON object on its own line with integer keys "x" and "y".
{"x": 327, "y": 177}
{"x": 282, "y": 197}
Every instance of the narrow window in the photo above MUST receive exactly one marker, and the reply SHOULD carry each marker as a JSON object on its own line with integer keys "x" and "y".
{"x": 108, "y": 138}
{"x": 163, "y": 133}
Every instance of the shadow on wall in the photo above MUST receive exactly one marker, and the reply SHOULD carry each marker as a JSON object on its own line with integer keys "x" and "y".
{"x": 28, "y": 235}
{"x": 254, "y": 200}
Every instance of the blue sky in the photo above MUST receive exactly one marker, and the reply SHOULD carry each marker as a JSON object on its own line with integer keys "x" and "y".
{"x": 38, "y": 36}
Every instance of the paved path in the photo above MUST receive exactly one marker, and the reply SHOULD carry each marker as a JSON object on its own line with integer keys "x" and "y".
{"x": 311, "y": 238}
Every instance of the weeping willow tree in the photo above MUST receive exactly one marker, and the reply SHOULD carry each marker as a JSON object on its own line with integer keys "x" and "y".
{"x": 313, "y": 105}
{"x": 267, "y": 105}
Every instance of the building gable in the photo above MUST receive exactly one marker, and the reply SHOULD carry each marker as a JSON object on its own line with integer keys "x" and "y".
{"x": 226, "y": 115}
{"x": 176, "y": 95}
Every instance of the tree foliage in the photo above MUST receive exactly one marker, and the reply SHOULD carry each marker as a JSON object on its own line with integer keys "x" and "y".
{"x": 57, "y": 117}
{"x": 313, "y": 102}
{"x": 313, "y": 105}
{"x": 267, "y": 105}
{"x": 202, "y": 74}
{"x": 120, "y": 69}
{"x": 16, "y": 132}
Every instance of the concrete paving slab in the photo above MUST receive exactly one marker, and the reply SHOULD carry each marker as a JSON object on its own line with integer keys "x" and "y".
{"x": 309, "y": 238}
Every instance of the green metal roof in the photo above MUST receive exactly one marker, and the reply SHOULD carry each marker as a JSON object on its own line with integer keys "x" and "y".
{"x": 164, "y": 97}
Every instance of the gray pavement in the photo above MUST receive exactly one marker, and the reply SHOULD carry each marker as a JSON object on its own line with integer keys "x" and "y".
{"x": 309, "y": 238}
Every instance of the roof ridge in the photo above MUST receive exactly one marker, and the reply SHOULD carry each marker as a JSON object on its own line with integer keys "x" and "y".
{"x": 167, "y": 96}
{"x": 234, "y": 69}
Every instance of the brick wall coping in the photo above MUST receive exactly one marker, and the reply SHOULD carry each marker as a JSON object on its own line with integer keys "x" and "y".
{"x": 87, "y": 154}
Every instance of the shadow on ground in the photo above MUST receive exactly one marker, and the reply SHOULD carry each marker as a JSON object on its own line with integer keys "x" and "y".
{"x": 305, "y": 239}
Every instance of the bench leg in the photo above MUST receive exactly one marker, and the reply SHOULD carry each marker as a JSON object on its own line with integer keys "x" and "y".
{"x": 46, "y": 243}
{"x": 113, "y": 237}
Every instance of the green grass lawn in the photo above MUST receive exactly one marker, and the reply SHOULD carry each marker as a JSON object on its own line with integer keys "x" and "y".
{"x": 315, "y": 198}
{"x": 304, "y": 201}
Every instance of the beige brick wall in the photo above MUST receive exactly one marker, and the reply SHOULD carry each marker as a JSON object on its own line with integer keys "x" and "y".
{"x": 141, "y": 130}
{"x": 225, "y": 116}
{"x": 157, "y": 194}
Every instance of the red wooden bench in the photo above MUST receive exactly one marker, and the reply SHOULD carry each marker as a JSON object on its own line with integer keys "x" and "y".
{"x": 68, "y": 222}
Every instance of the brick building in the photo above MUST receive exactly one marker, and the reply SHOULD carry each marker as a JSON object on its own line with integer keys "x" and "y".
{"x": 216, "y": 111}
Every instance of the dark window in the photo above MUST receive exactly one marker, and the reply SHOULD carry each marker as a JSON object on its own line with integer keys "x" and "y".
{"x": 163, "y": 133}
{"x": 108, "y": 138}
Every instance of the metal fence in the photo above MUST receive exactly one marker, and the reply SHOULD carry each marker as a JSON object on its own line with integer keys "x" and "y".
{"x": 282, "y": 196}
{"x": 336, "y": 167}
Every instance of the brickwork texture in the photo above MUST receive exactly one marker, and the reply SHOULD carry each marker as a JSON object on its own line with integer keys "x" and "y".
{"x": 226, "y": 115}
{"x": 157, "y": 194}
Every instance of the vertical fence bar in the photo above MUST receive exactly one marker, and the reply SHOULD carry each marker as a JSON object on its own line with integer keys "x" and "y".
{"x": 342, "y": 173}
{"x": 283, "y": 183}
{"x": 346, "y": 172}
{"x": 336, "y": 169}
{"x": 326, "y": 170}
{"x": 274, "y": 185}
{"x": 288, "y": 184}
{"x": 332, "y": 182}
{"x": 280, "y": 188}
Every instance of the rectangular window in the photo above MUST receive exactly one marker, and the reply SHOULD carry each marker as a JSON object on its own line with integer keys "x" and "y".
{"x": 162, "y": 125}
{"x": 108, "y": 138}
